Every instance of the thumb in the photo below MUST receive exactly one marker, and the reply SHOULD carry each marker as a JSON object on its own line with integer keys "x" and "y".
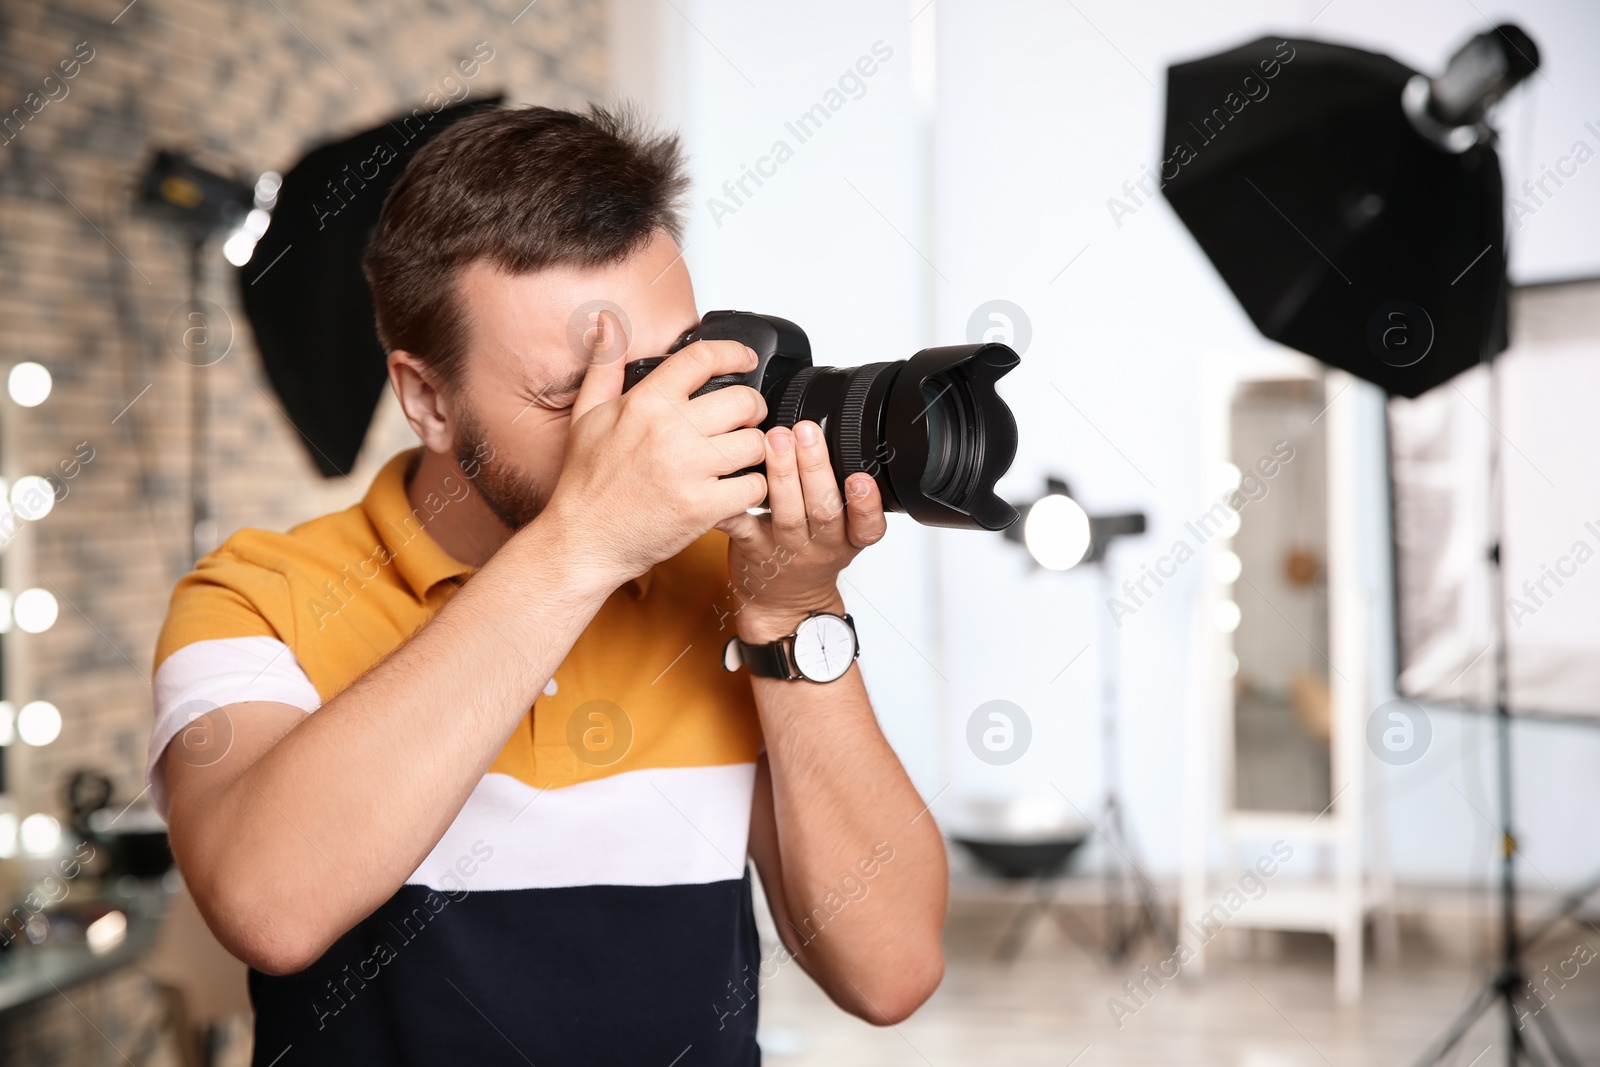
{"x": 608, "y": 349}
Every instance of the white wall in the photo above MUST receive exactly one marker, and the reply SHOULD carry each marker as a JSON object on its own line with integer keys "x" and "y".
{"x": 1043, "y": 113}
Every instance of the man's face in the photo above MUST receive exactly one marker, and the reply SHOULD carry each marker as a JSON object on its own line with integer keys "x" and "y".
{"x": 528, "y": 346}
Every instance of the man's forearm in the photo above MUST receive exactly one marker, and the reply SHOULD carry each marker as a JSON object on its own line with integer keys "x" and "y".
{"x": 841, "y": 801}
{"x": 345, "y": 807}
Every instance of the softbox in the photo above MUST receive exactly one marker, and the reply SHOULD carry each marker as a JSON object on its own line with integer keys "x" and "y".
{"x": 304, "y": 292}
{"x": 1343, "y": 231}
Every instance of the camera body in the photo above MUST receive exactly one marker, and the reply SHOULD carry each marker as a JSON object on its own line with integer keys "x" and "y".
{"x": 931, "y": 430}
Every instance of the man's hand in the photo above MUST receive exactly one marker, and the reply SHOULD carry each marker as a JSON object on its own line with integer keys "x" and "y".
{"x": 829, "y": 789}
{"x": 788, "y": 562}
{"x": 643, "y": 477}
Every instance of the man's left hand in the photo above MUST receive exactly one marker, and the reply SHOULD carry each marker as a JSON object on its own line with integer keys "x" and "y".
{"x": 786, "y": 564}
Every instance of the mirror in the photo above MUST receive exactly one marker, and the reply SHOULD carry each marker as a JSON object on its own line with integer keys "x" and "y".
{"x": 1281, "y": 699}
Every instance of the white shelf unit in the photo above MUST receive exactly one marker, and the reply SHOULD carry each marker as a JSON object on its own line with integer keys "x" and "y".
{"x": 1329, "y": 890}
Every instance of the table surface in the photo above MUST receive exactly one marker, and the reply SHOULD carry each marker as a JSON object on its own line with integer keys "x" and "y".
{"x": 31, "y": 972}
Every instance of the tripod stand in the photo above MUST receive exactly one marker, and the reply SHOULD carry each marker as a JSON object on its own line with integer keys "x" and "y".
{"x": 1125, "y": 921}
{"x": 1507, "y": 985}
{"x": 1125, "y": 924}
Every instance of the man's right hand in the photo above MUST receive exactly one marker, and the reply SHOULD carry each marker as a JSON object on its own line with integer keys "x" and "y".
{"x": 643, "y": 477}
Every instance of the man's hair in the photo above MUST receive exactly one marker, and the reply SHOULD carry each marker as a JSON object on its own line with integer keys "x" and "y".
{"x": 520, "y": 189}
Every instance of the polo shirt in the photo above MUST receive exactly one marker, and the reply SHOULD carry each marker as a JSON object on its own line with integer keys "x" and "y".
{"x": 590, "y": 903}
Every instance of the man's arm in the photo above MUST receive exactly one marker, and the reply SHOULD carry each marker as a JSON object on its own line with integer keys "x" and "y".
{"x": 310, "y": 822}
{"x": 854, "y": 871}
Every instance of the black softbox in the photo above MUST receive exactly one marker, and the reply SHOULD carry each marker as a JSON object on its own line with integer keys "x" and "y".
{"x": 1342, "y": 230}
{"x": 304, "y": 292}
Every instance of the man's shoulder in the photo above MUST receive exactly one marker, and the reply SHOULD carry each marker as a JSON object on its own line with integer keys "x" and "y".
{"x": 323, "y": 544}
{"x": 250, "y": 584}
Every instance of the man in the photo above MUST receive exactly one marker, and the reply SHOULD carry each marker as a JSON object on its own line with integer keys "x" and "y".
{"x": 460, "y": 772}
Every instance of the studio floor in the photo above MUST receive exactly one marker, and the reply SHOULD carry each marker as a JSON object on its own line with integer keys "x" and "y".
{"x": 1272, "y": 1008}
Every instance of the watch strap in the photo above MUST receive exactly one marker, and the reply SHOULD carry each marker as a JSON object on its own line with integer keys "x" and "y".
{"x": 772, "y": 660}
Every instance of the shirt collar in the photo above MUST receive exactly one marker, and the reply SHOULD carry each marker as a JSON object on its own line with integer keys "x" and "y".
{"x": 402, "y": 529}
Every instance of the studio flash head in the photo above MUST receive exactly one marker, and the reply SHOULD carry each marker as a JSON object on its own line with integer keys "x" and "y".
{"x": 931, "y": 430}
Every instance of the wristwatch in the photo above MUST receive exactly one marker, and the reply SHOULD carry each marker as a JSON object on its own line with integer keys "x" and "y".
{"x": 821, "y": 649}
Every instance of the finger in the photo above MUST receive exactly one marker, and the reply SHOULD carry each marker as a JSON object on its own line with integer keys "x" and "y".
{"x": 608, "y": 350}
{"x": 824, "y": 508}
{"x": 864, "y": 520}
{"x": 738, "y": 450}
{"x": 689, "y": 368}
{"x": 726, "y": 409}
{"x": 784, "y": 496}
{"x": 745, "y": 529}
{"x": 736, "y": 496}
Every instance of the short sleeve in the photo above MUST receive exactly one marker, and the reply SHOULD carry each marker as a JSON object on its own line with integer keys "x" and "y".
{"x": 218, "y": 648}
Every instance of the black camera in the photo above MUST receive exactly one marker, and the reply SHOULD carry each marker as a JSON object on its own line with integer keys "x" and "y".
{"x": 930, "y": 429}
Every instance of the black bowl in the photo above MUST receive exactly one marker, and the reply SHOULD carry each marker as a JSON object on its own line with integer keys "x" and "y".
{"x": 1019, "y": 860}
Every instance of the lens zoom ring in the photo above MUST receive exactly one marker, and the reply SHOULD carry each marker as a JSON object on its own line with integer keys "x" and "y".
{"x": 794, "y": 391}
{"x": 856, "y": 445}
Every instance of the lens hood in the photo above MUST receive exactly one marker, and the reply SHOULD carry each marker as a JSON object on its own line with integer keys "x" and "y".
{"x": 951, "y": 437}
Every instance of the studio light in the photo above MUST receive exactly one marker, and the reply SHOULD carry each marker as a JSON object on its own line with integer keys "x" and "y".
{"x": 29, "y": 384}
{"x": 1345, "y": 208}
{"x": 1056, "y": 532}
{"x": 1059, "y": 534}
{"x": 199, "y": 201}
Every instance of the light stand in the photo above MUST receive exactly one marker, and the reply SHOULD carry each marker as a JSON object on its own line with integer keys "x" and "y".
{"x": 1055, "y": 549}
{"x": 200, "y": 519}
{"x": 1124, "y": 925}
{"x": 1509, "y": 979}
{"x": 199, "y": 203}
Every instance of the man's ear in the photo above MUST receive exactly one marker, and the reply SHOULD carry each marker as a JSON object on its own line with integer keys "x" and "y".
{"x": 427, "y": 408}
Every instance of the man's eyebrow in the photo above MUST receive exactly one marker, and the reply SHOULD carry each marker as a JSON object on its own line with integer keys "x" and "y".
{"x": 569, "y": 384}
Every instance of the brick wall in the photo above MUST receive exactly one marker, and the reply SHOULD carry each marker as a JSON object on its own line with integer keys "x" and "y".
{"x": 243, "y": 86}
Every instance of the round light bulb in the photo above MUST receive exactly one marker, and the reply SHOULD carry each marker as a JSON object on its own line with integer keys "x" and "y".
{"x": 29, "y": 384}
{"x": 35, "y": 610}
{"x": 38, "y": 723}
{"x": 1228, "y": 616}
{"x": 8, "y": 723}
{"x": 1226, "y": 567}
{"x": 32, "y": 497}
{"x": 41, "y": 834}
{"x": 239, "y": 247}
{"x": 1056, "y": 532}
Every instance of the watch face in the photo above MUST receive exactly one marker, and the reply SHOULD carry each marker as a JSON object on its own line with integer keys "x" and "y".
{"x": 824, "y": 647}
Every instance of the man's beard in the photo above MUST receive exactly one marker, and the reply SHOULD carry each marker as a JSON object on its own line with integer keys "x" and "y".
{"x": 515, "y": 499}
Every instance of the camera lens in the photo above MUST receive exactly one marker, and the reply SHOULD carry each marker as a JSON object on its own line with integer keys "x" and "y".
{"x": 943, "y": 414}
{"x": 931, "y": 430}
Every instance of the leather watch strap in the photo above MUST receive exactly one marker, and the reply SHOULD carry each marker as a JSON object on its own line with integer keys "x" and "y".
{"x": 769, "y": 660}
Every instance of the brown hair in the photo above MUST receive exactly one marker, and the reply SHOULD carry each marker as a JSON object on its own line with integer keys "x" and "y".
{"x": 523, "y": 189}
